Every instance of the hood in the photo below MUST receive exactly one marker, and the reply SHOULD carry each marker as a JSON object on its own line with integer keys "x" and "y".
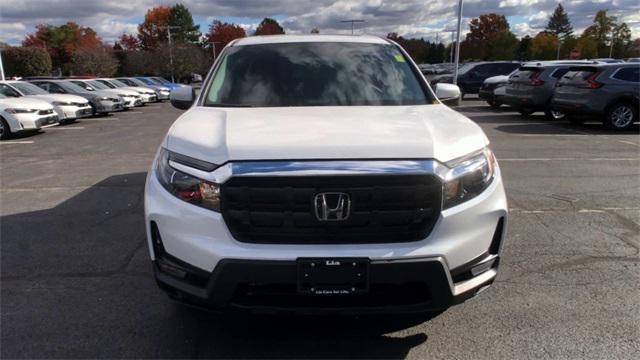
{"x": 140, "y": 89}
{"x": 111, "y": 93}
{"x": 61, "y": 97}
{"x": 218, "y": 135}
{"x": 121, "y": 91}
{"x": 25, "y": 103}
{"x": 497, "y": 79}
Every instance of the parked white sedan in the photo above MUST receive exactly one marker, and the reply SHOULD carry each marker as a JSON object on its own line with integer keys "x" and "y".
{"x": 131, "y": 98}
{"x": 20, "y": 114}
{"x": 147, "y": 94}
{"x": 68, "y": 107}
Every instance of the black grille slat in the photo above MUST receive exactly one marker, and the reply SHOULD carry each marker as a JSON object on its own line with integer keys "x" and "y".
{"x": 280, "y": 210}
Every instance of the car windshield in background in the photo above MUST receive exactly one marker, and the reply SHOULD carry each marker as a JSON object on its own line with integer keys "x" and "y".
{"x": 138, "y": 82}
{"x": 148, "y": 81}
{"x": 315, "y": 74}
{"x": 465, "y": 68}
{"x": 160, "y": 80}
{"x": 71, "y": 87}
{"x": 98, "y": 85}
{"x": 118, "y": 83}
{"x": 29, "y": 89}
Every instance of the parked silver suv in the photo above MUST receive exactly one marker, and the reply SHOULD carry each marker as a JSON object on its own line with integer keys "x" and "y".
{"x": 531, "y": 87}
{"x": 608, "y": 90}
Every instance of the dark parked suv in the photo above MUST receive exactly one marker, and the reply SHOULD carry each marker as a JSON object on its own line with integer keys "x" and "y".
{"x": 531, "y": 87}
{"x": 608, "y": 90}
{"x": 472, "y": 75}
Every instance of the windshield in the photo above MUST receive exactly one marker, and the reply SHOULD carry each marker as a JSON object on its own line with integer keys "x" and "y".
{"x": 118, "y": 83}
{"x": 146, "y": 81}
{"x": 315, "y": 74}
{"x": 71, "y": 87}
{"x": 106, "y": 83}
{"x": 161, "y": 80}
{"x": 98, "y": 85}
{"x": 29, "y": 89}
{"x": 465, "y": 68}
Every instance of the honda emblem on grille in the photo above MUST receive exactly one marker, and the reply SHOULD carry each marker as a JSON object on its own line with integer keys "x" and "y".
{"x": 332, "y": 206}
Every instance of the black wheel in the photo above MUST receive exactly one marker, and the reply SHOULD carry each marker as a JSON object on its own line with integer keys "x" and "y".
{"x": 494, "y": 104}
{"x": 525, "y": 112}
{"x": 621, "y": 116}
{"x": 551, "y": 114}
{"x": 5, "y": 130}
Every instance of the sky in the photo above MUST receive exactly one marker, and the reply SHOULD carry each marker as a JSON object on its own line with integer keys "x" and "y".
{"x": 429, "y": 19}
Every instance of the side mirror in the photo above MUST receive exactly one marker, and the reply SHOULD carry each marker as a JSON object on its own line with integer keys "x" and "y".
{"x": 449, "y": 94}
{"x": 183, "y": 97}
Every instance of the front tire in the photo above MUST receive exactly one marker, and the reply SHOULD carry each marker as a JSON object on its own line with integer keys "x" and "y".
{"x": 551, "y": 114}
{"x": 525, "y": 112}
{"x": 494, "y": 104}
{"x": 5, "y": 130}
{"x": 621, "y": 116}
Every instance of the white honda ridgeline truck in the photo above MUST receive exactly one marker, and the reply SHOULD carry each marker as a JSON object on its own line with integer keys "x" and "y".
{"x": 322, "y": 174}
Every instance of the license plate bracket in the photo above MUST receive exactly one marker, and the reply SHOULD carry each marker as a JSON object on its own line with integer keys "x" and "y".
{"x": 333, "y": 276}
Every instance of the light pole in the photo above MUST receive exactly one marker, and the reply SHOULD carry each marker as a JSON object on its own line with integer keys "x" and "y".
{"x": 453, "y": 32}
{"x": 168, "y": 27}
{"x": 455, "y": 74}
{"x": 352, "y": 21}
{"x": 213, "y": 47}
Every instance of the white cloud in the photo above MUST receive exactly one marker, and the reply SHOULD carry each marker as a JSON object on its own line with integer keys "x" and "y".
{"x": 417, "y": 18}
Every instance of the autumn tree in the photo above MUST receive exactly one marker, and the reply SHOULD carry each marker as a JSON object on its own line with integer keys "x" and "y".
{"x": 129, "y": 42}
{"x": 587, "y": 46}
{"x": 489, "y": 38}
{"x": 153, "y": 29}
{"x": 544, "y": 46}
{"x": 600, "y": 31}
{"x": 269, "y": 26}
{"x": 621, "y": 39}
{"x": 187, "y": 30}
{"x": 94, "y": 61}
{"x": 26, "y": 61}
{"x": 62, "y": 41}
{"x": 187, "y": 58}
{"x": 220, "y": 34}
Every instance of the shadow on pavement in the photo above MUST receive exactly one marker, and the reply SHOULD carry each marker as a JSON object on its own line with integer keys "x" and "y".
{"x": 76, "y": 282}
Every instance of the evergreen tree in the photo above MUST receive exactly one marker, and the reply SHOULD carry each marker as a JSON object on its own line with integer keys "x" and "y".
{"x": 188, "y": 31}
{"x": 559, "y": 23}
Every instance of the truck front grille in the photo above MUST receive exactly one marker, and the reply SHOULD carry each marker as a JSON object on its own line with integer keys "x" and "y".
{"x": 281, "y": 210}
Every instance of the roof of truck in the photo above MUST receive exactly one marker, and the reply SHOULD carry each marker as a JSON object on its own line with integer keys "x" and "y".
{"x": 274, "y": 39}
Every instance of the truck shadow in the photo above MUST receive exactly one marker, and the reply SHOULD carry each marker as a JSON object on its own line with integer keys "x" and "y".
{"x": 237, "y": 335}
{"x": 92, "y": 246}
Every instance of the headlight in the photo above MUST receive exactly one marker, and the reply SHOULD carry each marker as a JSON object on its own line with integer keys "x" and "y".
{"x": 469, "y": 177}
{"x": 61, "y": 103}
{"x": 20, "y": 111}
{"x": 105, "y": 98}
{"x": 186, "y": 187}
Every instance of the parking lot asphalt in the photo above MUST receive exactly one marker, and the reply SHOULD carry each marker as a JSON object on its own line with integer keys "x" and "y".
{"x": 76, "y": 279}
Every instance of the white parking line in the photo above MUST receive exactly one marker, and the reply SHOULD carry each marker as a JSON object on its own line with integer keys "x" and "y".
{"x": 100, "y": 119}
{"x": 628, "y": 142}
{"x": 15, "y": 142}
{"x": 66, "y": 128}
{"x": 570, "y": 159}
{"x": 134, "y": 112}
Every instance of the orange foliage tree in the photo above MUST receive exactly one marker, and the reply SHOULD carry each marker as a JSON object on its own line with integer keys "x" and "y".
{"x": 220, "y": 34}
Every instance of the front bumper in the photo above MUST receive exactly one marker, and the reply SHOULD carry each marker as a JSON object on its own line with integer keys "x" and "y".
{"x": 106, "y": 106}
{"x": 163, "y": 95}
{"x": 409, "y": 285}
{"x": 148, "y": 98}
{"x": 463, "y": 236}
{"x": 70, "y": 112}
{"x": 36, "y": 121}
